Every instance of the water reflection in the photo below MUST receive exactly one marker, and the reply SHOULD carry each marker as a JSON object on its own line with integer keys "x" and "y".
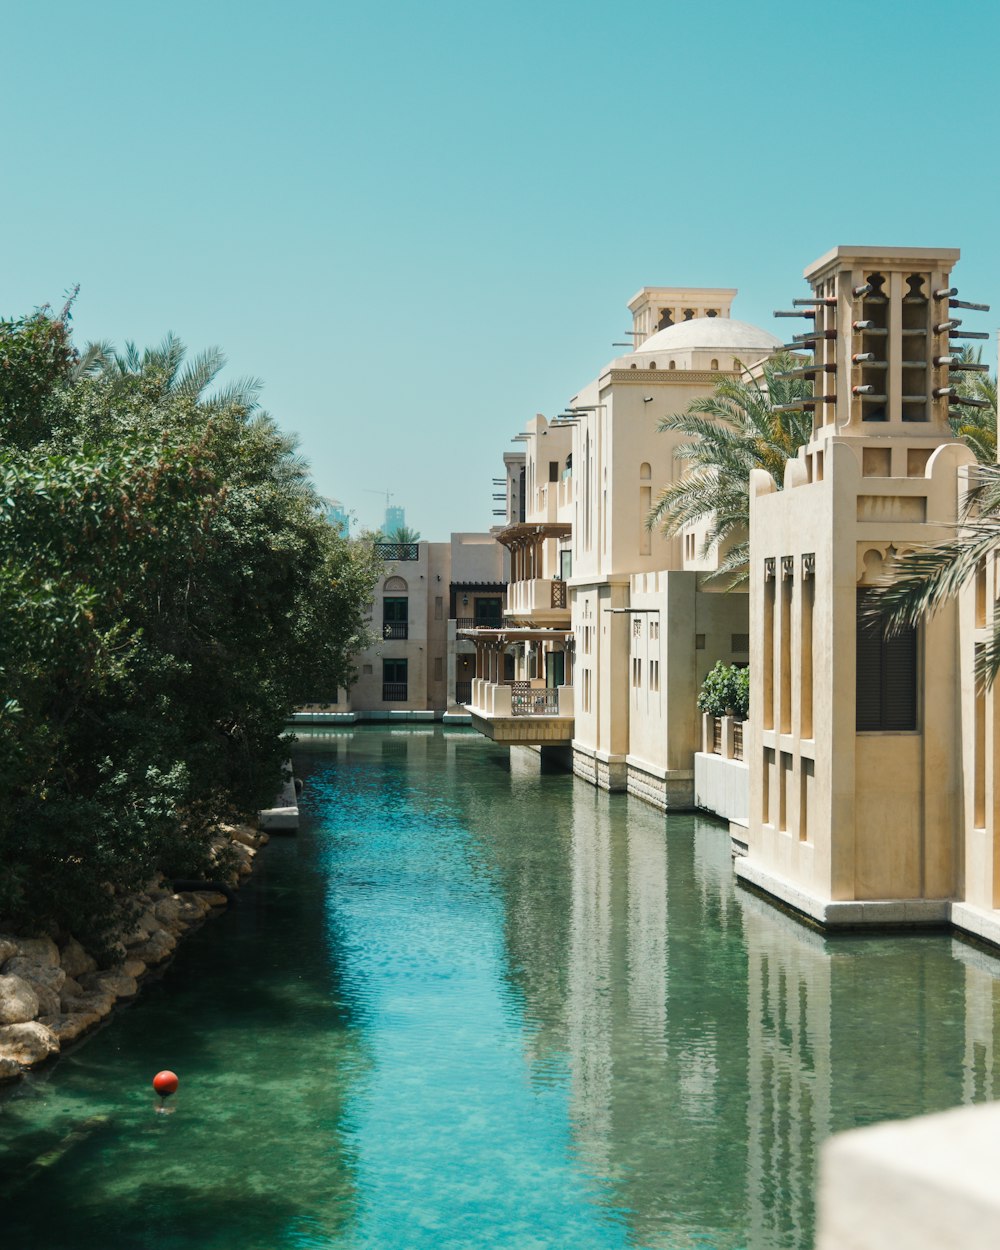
{"x": 475, "y": 1004}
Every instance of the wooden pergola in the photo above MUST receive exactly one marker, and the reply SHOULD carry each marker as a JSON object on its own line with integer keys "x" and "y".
{"x": 524, "y": 541}
{"x": 491, "y": 644}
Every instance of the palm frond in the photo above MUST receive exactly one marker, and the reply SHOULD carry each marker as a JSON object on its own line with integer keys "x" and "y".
{"x": 730, "y": 433}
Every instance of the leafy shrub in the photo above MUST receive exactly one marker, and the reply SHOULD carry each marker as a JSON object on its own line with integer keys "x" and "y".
{"x": 726, "y": 691}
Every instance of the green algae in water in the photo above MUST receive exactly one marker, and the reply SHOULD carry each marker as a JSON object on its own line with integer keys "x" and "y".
{"x": 477, "y": 1006}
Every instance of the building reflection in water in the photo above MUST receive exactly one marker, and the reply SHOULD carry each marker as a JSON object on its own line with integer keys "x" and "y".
{"x": 708, "y": 1043}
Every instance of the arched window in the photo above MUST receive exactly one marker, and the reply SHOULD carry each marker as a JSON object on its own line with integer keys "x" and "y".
{"x": 633, "y": 366}
{"x": 645, "y": 472}
{"x": 393, "y": 585}
{"x": 652, "y": 364}
{"x": 673, "y": 364}
{"x": 715, "y": 364}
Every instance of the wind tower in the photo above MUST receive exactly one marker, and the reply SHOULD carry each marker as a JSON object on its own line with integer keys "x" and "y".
{"x": 855, "y": 755}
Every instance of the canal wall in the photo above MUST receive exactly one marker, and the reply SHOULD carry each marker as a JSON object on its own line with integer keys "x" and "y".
{"x": 722, "y": 786}
{"x": 52, "y": 994}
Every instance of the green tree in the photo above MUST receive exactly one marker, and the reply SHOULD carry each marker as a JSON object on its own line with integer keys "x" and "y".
{"x": 726, "y": 691}
{"x": 177, "y": 593}
{"x": 738, "y": 428}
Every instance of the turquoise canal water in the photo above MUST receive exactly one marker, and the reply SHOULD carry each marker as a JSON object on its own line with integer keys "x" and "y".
{"x": 476, "y": 1007}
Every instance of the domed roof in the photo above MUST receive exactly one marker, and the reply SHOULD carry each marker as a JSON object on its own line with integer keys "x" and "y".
{"x": 708, "y": 333}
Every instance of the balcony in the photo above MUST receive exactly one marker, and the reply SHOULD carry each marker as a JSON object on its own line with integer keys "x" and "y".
{"x": 394, "y": 691}
{"x": 397, "y": 551}
{"x": 542, "y": 600}
{"x": 396, "y": 629}
{"x": 553, "y": 501}
{"x": 526, "y": 713}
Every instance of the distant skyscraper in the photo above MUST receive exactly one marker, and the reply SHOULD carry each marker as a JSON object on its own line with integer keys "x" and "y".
{"x": 337, "y": 514}
{"x": 395, "y": 518}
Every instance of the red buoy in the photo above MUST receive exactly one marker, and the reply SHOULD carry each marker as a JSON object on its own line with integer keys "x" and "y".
{"x": 165, "y": 1083}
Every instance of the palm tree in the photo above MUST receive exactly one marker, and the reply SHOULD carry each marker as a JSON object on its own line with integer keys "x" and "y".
{"x": 164, "y": 375}
{"x": 164, "y": 367}
{"x": 928, "y": 577}
{"x": 403, "y": 534}
{"x": 742, "y": 426}
{"x": 976, "y": 427}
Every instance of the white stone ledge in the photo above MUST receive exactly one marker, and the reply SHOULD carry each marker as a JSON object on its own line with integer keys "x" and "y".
{"x": 721, "y": 786}
{"x": 924, "y": 1184}
{"x": 977, "y": 921}
{"x": 853, "y": 913}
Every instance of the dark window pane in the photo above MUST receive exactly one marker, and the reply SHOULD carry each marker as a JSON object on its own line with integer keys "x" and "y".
{"x": 886, "y": 685}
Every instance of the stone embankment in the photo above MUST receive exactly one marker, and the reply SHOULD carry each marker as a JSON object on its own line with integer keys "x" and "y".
{"x": 52, "y": 993}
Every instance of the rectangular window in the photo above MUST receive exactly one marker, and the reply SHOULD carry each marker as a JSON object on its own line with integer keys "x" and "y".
{"x": 394, "y": 681}
{"x": 438, "y": 608}
{"x": 395, "y": 617}
{"x": 438, "y": 668}
{"x": 886, "y": 685}
{"x": 740, "y": 644}
{"x": 488, "y": 612}
{"x": 553, "y": 470}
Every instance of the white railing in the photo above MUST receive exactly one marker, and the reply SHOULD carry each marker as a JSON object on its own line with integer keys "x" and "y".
{"x": 520, "y": 699}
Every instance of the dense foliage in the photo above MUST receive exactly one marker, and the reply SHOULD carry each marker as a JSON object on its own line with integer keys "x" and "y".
{"x": 169, "y": 592}
{"x": 726, "y": 691}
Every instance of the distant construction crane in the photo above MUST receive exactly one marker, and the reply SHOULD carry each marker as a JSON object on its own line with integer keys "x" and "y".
{"x": 388, "y": 494}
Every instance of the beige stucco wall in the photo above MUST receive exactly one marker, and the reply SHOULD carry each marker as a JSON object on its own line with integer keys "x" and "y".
{"x": 876, "y": 816}
{"x": 840, "y": 814}
{"x": 685, "y": 630}
{"x": 435, "y": 660}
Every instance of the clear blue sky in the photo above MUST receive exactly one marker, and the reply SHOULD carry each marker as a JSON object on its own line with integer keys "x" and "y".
{"x": 419, "y": 224}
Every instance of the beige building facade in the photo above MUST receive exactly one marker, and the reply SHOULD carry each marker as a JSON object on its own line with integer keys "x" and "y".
{"x": 871, "y": 756}
{"x": 618, "y": 624}
{"x": 419, "y": 667}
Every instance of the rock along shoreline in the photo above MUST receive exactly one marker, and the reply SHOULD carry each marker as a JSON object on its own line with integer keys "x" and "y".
{"x": 52, "y": 994}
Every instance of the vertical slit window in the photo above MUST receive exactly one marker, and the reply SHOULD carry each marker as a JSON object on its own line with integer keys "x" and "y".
{"x": 979, "y": 780}
{"x": 766, "y": 795}
{"x": 886, "y": 678}
{"x": 785, "y": 656}
{"x": 806, "y": 636}
{"x": 767, "y": 693}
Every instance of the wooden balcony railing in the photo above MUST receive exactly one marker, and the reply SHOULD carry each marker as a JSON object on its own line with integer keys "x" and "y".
{"x": 528, "y": 700}
{"x": 738, "y": 740}
{"x": 717, "y": 735}
{"x": 394, "y": 692}
{"x": 558, "y": 594}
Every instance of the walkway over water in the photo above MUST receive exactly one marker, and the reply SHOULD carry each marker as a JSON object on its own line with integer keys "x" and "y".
{"x": 472, "y": 1006}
